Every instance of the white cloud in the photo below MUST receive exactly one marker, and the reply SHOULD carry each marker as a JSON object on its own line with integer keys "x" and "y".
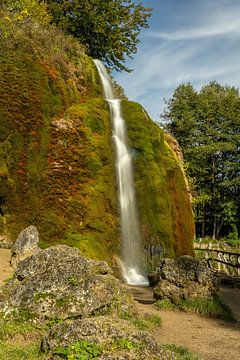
{"x": 200, "y": 54}
{"x": 230, "y": 28}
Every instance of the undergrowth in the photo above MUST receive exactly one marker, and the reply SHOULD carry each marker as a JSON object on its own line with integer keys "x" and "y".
{"x": 181, "y": 352}
{"x": 81, "y": 350}
{"x": 146, "y": 322}
{"x": 212, "y": 307}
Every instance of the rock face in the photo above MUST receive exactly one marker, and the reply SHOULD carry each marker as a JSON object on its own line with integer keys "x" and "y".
{"x": 60, "y": 282}
{"x": 26, "y": 245}
{"x": 58, "y": 170}
{"x": 117, "y": 339}
{"x": 184, "y": 278}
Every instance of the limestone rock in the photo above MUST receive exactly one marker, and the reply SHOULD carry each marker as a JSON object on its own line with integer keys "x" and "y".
{"x": 5, "y": 242}
{"x": 60, "y": 282}
{"x": 26, "y": 245}
{"x": 118, "y": 339}
{"x": 184, "y": 278}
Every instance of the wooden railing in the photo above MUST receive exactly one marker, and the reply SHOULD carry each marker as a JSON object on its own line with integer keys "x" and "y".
{"x": 222, "y": 260}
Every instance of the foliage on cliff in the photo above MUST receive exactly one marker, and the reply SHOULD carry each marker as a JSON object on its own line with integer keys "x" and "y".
{"x": 109, "y": 29}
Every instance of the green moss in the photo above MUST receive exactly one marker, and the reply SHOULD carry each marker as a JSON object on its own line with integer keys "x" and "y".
{"x": 57, "y": 158}
{"x": 163, "y": 202}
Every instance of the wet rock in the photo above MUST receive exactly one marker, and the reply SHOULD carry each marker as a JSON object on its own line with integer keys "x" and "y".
{"x": 60, "y": 282}
{"x": 117, "y": 339}
{"x": 184, "y": 278}
{"x": 26, "y": 245}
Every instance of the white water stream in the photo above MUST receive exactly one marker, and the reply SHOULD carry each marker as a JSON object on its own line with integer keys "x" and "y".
{"x": 131, "y": 266}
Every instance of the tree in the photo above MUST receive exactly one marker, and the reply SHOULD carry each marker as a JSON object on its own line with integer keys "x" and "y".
{"x": 109, "y": 29}
{"x": 207, "y": 124}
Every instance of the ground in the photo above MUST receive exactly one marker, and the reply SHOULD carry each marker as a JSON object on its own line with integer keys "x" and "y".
{"x": 208, "y": 338}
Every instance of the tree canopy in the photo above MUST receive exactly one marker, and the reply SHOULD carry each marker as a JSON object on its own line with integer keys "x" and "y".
{"x": 109, "y": 29}
{"x": 207, "y": 124}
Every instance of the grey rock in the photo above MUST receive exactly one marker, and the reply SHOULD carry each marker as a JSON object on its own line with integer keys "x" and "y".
{"x": 5, "y": 242}
{"x": 26, "y": 245}
{"x": 184, "y": 278}
{"x": 60, "y": 282}
{"x": 111, "y": 334}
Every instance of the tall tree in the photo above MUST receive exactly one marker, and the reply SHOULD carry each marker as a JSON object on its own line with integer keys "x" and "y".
{"x": 109, "y": 29}
{"x": 207, "y": 124}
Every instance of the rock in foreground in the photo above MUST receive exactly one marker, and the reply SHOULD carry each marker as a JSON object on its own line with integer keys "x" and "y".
{"x": 184, "y": 278}
{"x": 115, "y": 339}
{"x": 60, "y": 282}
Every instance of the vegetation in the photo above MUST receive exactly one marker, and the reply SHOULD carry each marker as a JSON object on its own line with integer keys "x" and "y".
{"x": 109, "y": 29}
{"x": 212, "y": 307}
{"x": 165, "y": 213}
{"x": 81, "y": 350}
{"x": 206, "y": 124}
{"x": 181, "y": 352}
{"x": 57, "y": 161}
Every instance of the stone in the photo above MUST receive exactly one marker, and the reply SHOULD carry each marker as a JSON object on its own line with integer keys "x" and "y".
{"x": 118, "y": 339}
{"x": 184, "y": 278}
{"x": 5, "y": 242}
{"x": 26, "y": 245}
{"x": 60, "y": 282}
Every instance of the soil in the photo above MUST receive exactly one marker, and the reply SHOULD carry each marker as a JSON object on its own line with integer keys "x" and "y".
{"x": 5, "y": 268}
{"x": 208, "y": 338}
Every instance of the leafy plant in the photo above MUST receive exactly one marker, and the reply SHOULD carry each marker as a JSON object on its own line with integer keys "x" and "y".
{"x": 81, "y": 350}
{"x": 125, "y": 344}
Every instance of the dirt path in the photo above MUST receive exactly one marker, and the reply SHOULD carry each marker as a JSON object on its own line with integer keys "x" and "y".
{"x": 210, "y": 339}
{"x": 5, "y": 268}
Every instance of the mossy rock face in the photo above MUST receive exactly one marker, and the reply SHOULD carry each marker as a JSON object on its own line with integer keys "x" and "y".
{"x": 57, "y": 162}
{"x": 56, "y": 156}
{"x": 165, "y": 213}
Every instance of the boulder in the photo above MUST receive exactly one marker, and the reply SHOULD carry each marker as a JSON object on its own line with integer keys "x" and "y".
{"x": 26, "y": 245}
{"x": 5, "y": 242}
{"x": 116, "y": 337}
{"x": 60, "y": 282}
{"x": 184, "y": 278}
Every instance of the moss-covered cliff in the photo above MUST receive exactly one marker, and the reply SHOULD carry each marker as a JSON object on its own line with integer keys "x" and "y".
{"x": 57, "y": 161}
{"x": 163, "y": 201}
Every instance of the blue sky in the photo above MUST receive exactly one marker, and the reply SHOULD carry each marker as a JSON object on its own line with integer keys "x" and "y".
{"x": 193, "y": 41}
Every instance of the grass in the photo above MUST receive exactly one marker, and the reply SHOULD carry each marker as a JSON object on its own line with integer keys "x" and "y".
{"x": 181, "y": 352}
{"x": 19, "y": 340}
{"x": 20, "y": 352}
{"x": 146, "y": 322}
{"x": 212, "y": 307}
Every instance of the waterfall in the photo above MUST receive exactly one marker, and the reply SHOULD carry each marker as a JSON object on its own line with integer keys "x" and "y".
{"x": 131, "y": 264}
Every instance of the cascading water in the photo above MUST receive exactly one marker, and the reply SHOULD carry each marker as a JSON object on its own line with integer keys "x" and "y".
{"x": 131, "y": 264}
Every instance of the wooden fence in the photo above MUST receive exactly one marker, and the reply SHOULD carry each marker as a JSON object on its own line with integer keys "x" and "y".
{"x": 222, "y": 260}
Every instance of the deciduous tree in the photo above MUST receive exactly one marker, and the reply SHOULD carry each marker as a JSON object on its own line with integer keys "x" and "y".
{"x": 109, "y": 29}
{"x": 207, "y": 124}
